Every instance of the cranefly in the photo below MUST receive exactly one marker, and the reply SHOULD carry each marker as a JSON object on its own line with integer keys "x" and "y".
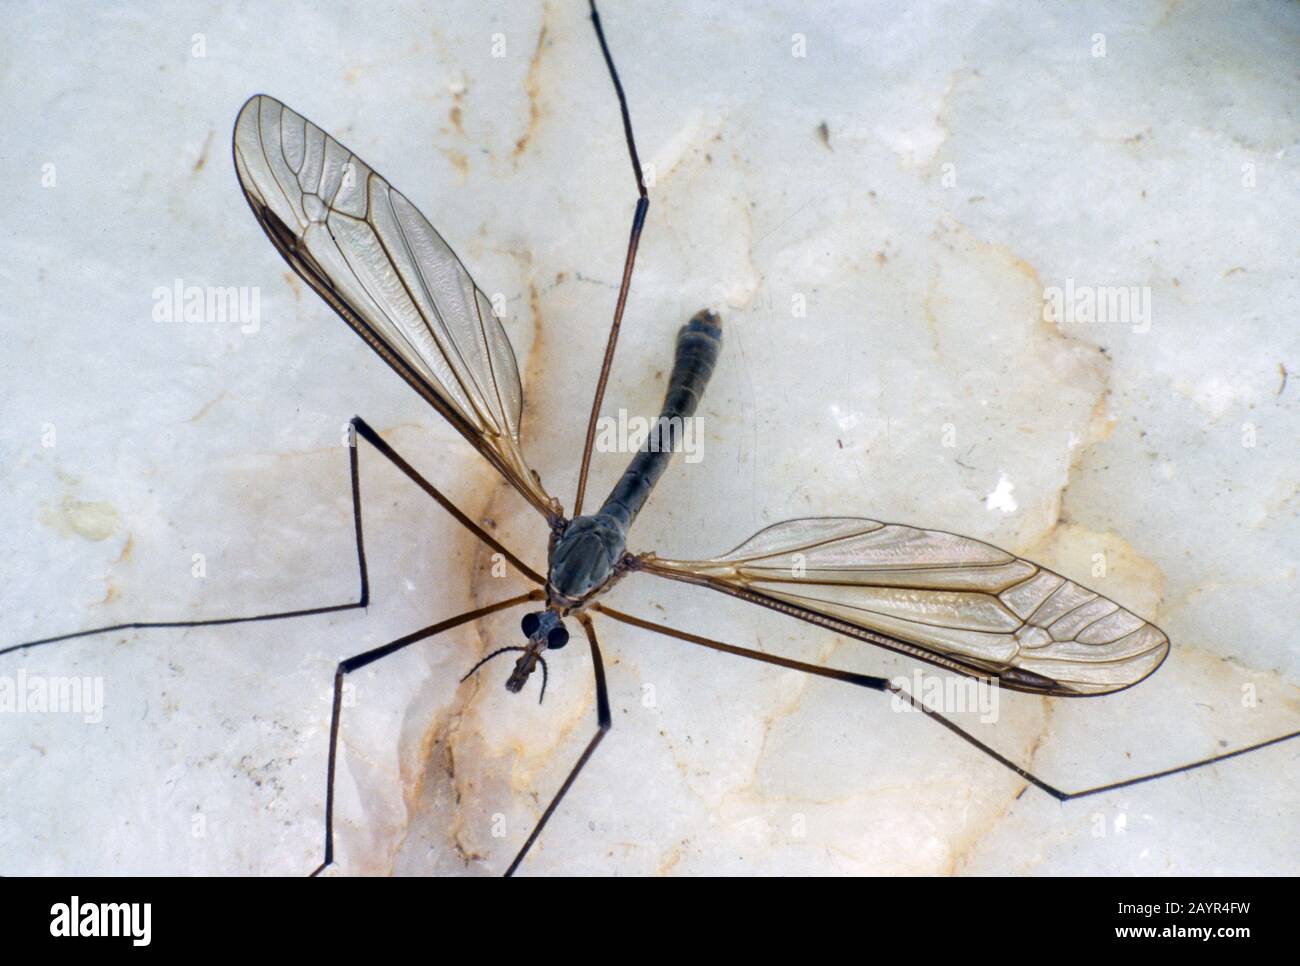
{"x": 950, "y": 600}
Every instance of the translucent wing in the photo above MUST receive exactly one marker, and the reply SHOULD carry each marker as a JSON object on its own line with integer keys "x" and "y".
{"x": 950, "y": 600}
{"x": 381, "y": 266}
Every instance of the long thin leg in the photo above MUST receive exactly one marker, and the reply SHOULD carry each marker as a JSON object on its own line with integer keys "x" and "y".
{"x": 363, "y": 429}
{"x": 1058, "y": 794}
{"x": 603, "y": 723}
{"x": 834, "y": 673}
{"x": 357, "y": 661}
{"x": 882, "y": 684}
{"x": 638, "y": 222}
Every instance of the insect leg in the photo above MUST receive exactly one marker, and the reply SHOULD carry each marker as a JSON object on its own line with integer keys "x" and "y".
{"x": 362, "y": 601}
{"x": 366, "y": 432}
{"x": 883, "y": 684}
{"x": 357, "y": 661}
{"x": 638, "y": 222}
{"x": 374, "y": 439}
{"x": 1058, "y": 794}
{"x": 835, "y": 674}
{"x": 603, "y": 723}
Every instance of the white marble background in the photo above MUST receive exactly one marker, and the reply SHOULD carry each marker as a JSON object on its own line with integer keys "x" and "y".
{"x": 920, "y": 177}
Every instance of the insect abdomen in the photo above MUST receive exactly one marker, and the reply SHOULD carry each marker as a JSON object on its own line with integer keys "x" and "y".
{"x": 698, "y": 343}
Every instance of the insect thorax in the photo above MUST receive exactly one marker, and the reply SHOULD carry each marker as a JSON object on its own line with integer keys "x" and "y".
{"x": 584, "y": 558}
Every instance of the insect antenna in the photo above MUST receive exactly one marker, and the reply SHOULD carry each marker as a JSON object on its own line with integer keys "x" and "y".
{"x": 501, "y": 650}
{"x": 638, "y": 222}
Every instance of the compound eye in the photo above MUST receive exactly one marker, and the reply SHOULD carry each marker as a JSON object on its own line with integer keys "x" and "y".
{"x": 557, "y": 638}
{"x": 530, "y": 623}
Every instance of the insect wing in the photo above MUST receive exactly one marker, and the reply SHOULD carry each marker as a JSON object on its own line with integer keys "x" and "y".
{"x": 948, "y": 599}
{"x": 380, "y": 265}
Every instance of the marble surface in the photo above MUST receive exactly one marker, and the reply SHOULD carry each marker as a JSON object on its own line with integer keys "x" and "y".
{"x": 919, "y": 179}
